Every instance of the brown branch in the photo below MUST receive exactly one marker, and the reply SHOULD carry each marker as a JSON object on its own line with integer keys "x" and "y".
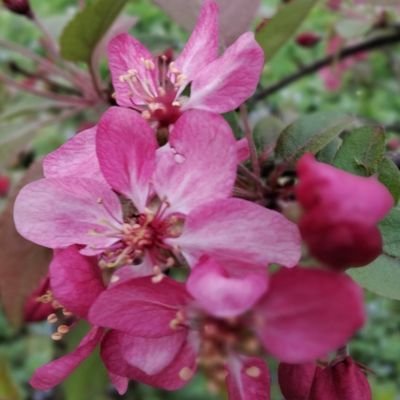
{"x": 374, "y": 43}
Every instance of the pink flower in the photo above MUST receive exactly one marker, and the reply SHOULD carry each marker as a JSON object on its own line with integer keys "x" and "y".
{"x": 161, "y": 332}
{"x": 175, "y": 199}
{"x": 4, "y": 185}
{"x": 341, "y": 212}
{"x": 75, "y": 284}
{"x": 156, "y": 88}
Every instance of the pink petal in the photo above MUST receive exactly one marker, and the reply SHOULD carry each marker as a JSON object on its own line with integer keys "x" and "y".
{"x": 236, "y": 231}
{"x": 152, "y": 355}
{"x": 227, "y": 82}
{"x": 75, "y": 280}
{"x": 307, "y": 313}
{"x": 223, "y": 294}
{"x": 248, "y": 379}
{"x": 55, "y": 372}
{"x": 171, "y": 378}
{"x": 199, "y": 164}
{"x": 57, "y": 213}
{"x": 243, "y": 150}
{"x": 126, "y": 148}
{"x": 125, "y": 53}
{"x": 202, "y": 47}
{"x": 76, "y": 158}
{"x": 140, "y": 307}
{"x": 120, "y": 383}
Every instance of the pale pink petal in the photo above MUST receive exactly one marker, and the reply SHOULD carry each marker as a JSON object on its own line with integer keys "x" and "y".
{"x": 243, "y": 150}
{"x": 248, "y": 379}
{"x": 75, "y": 158}
{"x": 126, "y": 54}
{"x": 55, "y": 372}
{"x": 198, "y": 164}
{"x": 202, "y": 47}
{"x": 173, "y": 377}
{"x": 307, "y": 313}
{"x": 222, "y": 294}
{"x": 120, "y": 383}
{"x": 140, "y": 307}
{"x": 152, "y": 355}
{"x": 75, "y": 280}
{"x": 126, "y": 148}
{"x": 228, "y": 81}
{"x": 238, "y": 231}
{"x": 57, "y": 213}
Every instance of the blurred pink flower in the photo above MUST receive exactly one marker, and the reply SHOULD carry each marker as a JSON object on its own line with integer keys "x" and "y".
{"x": 5, "y": 184}
{"x": 341, "y": 211}
{"x": 156, "y": 88}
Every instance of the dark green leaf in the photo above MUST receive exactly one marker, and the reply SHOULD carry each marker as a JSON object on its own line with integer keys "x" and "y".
{"x": 8, "y": 388}
{"x": 310, "y": 133}
{"x": 86, "y": 29}
{"x": 328, "y": 153}
{"x": 283, "y": 25}
{"x": 266, "y": 132}
{"x": 389, "y": 175}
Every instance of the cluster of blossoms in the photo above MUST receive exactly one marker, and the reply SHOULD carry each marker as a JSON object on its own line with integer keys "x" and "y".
{"x": 133, "y": 204}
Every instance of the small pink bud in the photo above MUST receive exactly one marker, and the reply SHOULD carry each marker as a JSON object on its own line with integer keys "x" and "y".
{"x": 334, "y": 5}
{"x": 4, "y": 185}
{"x": 307, "y": 39}
{"x": 21, "y": 7}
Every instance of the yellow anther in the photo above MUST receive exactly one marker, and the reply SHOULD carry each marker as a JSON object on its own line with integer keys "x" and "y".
{"x": 253, "y": 372}
{"x": 148, "y": 64}
{"x": 56, "y": 336}
{"x": 186, "y": 374}
{"x": 63, "y": 329}
{"x": 158, "y": 278}
{"x": 176, "y": 103}
{"x": 52, "y": 318}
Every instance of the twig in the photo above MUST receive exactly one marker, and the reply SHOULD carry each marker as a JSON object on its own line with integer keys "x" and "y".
{"x": 96, "y": 80}
{"x": 368, "y": 45}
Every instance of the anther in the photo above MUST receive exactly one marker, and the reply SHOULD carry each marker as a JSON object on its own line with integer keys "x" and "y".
{"x": 56, "y": 336}
{"x": 253, "y": 372}
{"x": 186, "y": 374}
{"x": 63, "y": 329}
{"x": 52, "y": 318}
{"x": 146, "y": 114}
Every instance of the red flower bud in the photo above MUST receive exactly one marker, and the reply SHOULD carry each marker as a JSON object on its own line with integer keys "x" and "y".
{"x": 341, "y": 381}
{"x": 307, "y": 39}
{"x": 4, "y": 185}
{"x": 295, "y": 380}
{"x": 21, "y": 7}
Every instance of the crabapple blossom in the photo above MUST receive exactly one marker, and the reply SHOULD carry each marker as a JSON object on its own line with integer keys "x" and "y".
{"x": 156, "y": 88}
{"x": 341, "y": 212}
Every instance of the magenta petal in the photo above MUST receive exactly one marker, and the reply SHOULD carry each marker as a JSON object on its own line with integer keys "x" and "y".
{"x": 56, "y": 371}
{"x": 228, "y": 81}
{"x": 223, "y": 294}
{"x": 57, "y": 213}
{"x": 75, "y": 280}
{"x": 236, "y": 231}
{"x": 140, "y": 307}
{"x": 173, "y": 377}
{"x": 202, "y": 47}
{"x": 152, "y": 355}
{"x": 243, "y": 150}
{"x": 120, "y": 383}
{"x": 125, "y": 54}
{"x": 307, "y": 313}
{"x": 248, "y": 379}
{"x": 126, "y": 148}
{"x": 199, "y": 164}
{"x": 76, "y": 158}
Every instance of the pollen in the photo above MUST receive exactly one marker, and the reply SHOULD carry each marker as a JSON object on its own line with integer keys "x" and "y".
{"x": 186, "y": 374}
{"x": 253, "y": 372}
{"x": 52, "y": 318}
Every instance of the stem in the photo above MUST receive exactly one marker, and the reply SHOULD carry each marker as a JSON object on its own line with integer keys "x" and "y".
{"x": 96, "y": 80}
{"x": 49, "y": 43}
{"x": 250, "y": 175}
{"x": 369, "y": 45}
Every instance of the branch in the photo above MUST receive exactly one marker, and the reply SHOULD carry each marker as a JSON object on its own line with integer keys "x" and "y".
{"x": 368, "y": 45}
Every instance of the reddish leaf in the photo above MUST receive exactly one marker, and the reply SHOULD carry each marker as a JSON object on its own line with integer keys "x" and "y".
{"x": 22, "y": 263}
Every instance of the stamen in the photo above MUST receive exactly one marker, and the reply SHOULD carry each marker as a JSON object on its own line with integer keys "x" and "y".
{"x": 63, "y": 329}
{"x": 253, "y": 372}
{"x": 52, "y": 318}
{"x": 186, "y": 374}
{"x": 56, "y": 336}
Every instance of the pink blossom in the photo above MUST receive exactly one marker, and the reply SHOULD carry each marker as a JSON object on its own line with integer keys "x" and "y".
{"x": 176, "y": 200}
{"x": 161, "y": 332}
{"x": 341, "y": 212}
{"x": 217, "y": 84}
{"x": 5, "y": 184}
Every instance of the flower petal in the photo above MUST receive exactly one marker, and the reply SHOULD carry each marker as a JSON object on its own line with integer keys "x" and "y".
{"x": 237, "y": 231}
{"x": 75, "y": 280}
{"x": 152, "y": 355}
{"x": 175, "y": 376}
{"x": 60, "y": 212}
{"x": 53, "y": 373}
{"x": 222, "y": 294}
{"x": 76, "y": 158}
{"x": 199, "y": 164}
{"x": 248, "y": 379}
{"x": 126, "y": 54}
{"x": 140, "y": 307}
{"x": 202, "y": 46}
{"x": 308, "y": 312}
{"x": 243, "y": 150}
{"x": 120, "y": 383}
{"x": 126, "y": 148}
{"x": 227, "y": 82}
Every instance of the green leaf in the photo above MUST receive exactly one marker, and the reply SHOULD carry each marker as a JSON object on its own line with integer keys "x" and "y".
{"x": 390, "y": 233}
{"x": 86, "y": 29}
{"x": 362, "y": 151}
{"x": 266, "y": 132}
{"x": 311, "y": 134}
{"x": 283, "y": 25}
{"x": 328, "y": 153}
{"x": 8, "y": 388}
{"x": 389, "y": 175}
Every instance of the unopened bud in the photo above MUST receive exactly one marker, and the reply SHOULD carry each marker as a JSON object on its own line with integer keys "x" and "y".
{"x": 307, "y": 39}
{"x": 4, "y": 185}
{"x": 21, "y": 7}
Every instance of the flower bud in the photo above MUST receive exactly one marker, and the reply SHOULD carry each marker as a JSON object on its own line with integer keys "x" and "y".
{"x": 307, "y": 39}
{"x": 4, "y": 185}
{"x": 21, "y": 7}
